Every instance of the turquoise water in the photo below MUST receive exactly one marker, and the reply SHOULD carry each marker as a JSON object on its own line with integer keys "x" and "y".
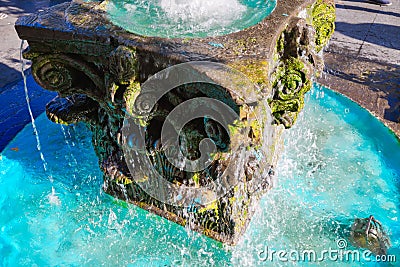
{"x": 339, "y": 163}
{"x": 181, "y": 18}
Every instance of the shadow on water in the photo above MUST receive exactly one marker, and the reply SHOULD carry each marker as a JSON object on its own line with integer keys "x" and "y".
{"x": 14, "y": 115}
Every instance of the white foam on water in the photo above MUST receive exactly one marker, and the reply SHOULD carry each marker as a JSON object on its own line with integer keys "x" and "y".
{"x": 53, "y": 198}
{"x": 130, "y": 7}
{"x": 203, "y": 13}
{"x": 182, "y": 17}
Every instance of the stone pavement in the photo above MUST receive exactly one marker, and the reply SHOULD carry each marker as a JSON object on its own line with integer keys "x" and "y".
{"x": 13, "y": 109}
{"x": 362, "y": 60}
{"x": 10, "y": 44}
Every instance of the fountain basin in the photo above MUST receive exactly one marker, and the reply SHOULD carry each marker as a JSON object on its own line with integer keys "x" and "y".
{"x": 321, "y": 190}
{"x": 100, "y": 71}
{"x": 175, "y": 18}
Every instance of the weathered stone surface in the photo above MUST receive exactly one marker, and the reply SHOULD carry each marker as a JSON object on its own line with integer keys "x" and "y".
{"x": 72, "y": 109}
{"x": 99, "y": 70}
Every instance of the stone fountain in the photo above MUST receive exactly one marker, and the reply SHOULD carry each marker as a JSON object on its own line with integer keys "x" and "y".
{"x": 102, "y": 74}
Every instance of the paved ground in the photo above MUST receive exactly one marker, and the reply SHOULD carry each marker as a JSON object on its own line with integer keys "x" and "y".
{"x": 13, "y": 110}
{"x": 362, "y": 60}
{"x": 10, "y": 44}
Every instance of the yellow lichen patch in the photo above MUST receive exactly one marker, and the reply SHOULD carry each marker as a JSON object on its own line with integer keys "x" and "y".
{"x": 56, "y": 119}
{"x": 212, "y": 206}
{"x": 196, "y": 179}
{"x": 207, "y": 232}
{"x": 30, "y": 55}
{"x": 255, "y": 131}
{"x": 144, "y": 179}
{"x": 256, "y": 71}
{"x": 236, "y": 127}
{"x": 219, "y": 155}
{"x": 240, "y": 46}
{"x": 130, "y": 95}
{"x": 249, "y": 119}
{"x": 123, "y": 180}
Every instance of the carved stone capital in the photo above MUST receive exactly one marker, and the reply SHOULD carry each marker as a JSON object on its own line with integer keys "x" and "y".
{"x": 99, "y": 70}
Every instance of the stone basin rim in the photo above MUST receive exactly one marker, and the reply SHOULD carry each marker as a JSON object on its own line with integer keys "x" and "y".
{"x": 254, "y": 43}
{"x": 272, "y": 3}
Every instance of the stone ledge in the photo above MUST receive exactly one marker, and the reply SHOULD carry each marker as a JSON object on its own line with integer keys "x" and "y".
{"x": 370, "y": 83}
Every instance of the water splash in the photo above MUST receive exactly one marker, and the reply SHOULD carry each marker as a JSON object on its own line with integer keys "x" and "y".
{"x": 326, "y": 179}
{"x": 203, "y": 13}
{"x": 181, "y": 18}
{"x": 53, "y": 198}
{"x": 67, "y": 135}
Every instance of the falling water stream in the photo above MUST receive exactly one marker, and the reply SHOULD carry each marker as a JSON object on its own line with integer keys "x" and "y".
{"x": 38, "y": 146}
{"x": 52, "y": 197}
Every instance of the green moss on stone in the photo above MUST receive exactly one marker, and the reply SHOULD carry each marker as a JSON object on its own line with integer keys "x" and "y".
{"x": 256, "y": 71}
{"x": 291, "y": 83}
{"x": 280, "y": 44}
{"x": 213, "y": 206}
{"x": 130, "y": 94}
{"x": 58, "y": 120}
{"x": 323, "y": 19}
